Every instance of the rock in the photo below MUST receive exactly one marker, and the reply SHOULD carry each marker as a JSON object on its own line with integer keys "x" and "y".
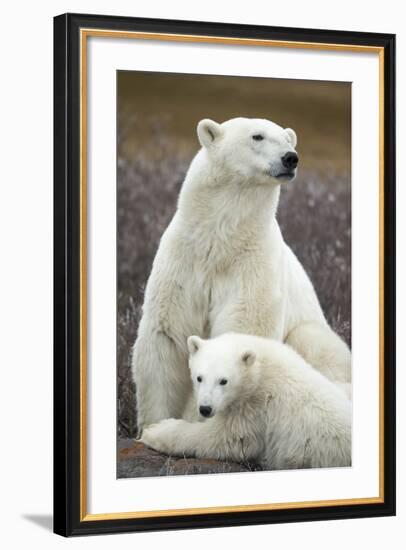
{"x": 137, "y": 460}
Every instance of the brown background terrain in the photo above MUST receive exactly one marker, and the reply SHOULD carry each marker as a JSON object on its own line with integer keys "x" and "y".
{"x": 156, "y": 126}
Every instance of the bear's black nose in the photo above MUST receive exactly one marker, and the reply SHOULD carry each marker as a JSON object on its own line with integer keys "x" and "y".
{"x": 290, "y": 160}
{"x": 205, "y": 411}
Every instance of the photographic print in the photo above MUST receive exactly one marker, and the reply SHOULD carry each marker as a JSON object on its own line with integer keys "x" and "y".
{"x": 234, "y": 274}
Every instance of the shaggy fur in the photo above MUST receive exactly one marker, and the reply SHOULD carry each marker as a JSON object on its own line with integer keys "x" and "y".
{"x": 222, "y": 265}
{"x": 267, "y": 405}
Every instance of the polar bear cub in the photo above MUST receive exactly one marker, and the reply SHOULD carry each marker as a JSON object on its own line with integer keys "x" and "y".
{"x": 259, "y": 401}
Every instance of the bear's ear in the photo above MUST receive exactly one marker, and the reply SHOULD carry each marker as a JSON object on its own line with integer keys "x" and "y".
{"x": 248, "y": 358}
{"x": 291, "y": 136}
{"x": 208, "y": 132}
{"x": 193, "y": 344}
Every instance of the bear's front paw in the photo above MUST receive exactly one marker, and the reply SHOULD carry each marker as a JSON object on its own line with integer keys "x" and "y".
{"x": 162, "y": 436}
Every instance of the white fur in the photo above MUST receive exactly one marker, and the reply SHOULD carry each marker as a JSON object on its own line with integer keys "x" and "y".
{"x": 274, "y": 408}
{"x": 222, "y": 265}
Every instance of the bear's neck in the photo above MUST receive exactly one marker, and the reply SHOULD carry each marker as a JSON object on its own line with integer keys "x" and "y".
{"x": 233, "y": 209}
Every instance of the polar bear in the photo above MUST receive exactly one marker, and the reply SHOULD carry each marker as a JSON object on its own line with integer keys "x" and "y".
{"x": 260, "y": 402}
{"x": 222, "y": 266}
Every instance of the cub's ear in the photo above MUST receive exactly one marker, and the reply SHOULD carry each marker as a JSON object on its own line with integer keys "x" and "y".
{"x": 291, "y": 136}
{"x": 208, "y": 132}
{"x": 248, "y": 358}
{"x": 193, "y": 344}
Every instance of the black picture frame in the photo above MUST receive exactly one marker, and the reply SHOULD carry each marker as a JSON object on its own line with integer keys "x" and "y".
{"x": 67, "y": 351}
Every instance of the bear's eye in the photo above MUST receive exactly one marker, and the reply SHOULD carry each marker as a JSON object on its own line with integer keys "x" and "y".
{"x": 258, "y": 137}
{"x": 223, "y": 382}
{"x": 199, "y": 378}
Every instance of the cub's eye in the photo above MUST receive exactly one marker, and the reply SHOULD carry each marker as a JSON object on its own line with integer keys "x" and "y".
{"x": 223, "y": 382}
{"x": 199, "y": 378}
{"x": 258, "y": 137}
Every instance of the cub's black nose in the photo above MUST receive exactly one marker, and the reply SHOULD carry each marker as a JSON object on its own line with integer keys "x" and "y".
{"x": 290, "y": 161}
{"x": 205, "y": 411}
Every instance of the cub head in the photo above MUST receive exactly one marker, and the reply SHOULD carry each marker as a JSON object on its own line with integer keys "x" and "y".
{"x": 253, "y": 149}
{"x": 219, "y": 374}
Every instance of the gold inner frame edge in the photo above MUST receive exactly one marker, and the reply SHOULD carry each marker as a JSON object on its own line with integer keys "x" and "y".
{"x": 84, "y": 34}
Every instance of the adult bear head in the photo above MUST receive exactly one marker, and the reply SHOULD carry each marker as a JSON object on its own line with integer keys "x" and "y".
{"x": 252, "y": 150}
